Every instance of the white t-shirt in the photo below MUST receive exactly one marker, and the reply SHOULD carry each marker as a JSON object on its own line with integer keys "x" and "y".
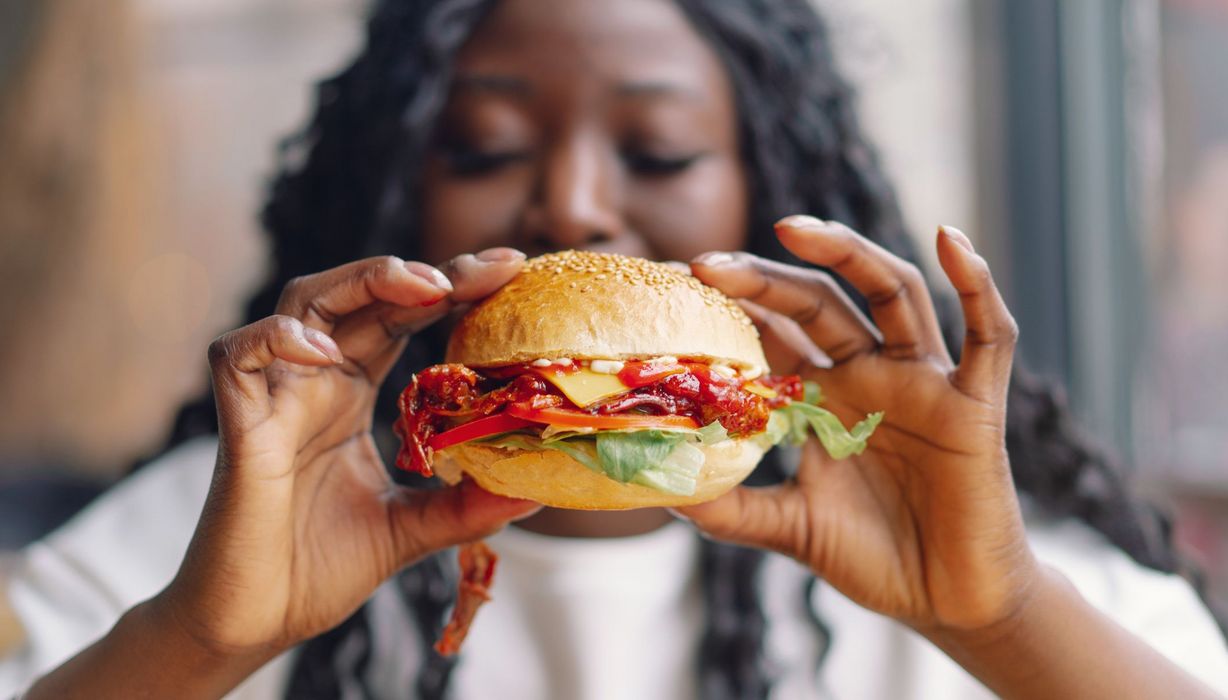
{"x": 610, "y": 618}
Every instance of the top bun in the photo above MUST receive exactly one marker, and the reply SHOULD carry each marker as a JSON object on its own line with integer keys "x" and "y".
{"x": 584, "y": 305}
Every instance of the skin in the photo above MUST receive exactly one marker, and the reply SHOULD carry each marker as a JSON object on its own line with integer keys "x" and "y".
{"x": 924, "y": 526}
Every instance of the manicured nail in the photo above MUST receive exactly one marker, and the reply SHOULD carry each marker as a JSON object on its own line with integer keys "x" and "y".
{"x": 326, "y": 345}
{"x": 801, "y": 221}
{"x": 430, "y": 274}
{"x": 958, "y": 236}
{"x": 714, "y": 259}
{"x": 499, "y": 255}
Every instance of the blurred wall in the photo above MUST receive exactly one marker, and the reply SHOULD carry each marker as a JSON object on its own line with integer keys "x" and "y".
{"x": 137, "y": 135}
{"x": 137, "y": 141}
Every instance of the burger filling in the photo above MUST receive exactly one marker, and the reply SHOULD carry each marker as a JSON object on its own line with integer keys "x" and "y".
{"x": 635, "y": 421}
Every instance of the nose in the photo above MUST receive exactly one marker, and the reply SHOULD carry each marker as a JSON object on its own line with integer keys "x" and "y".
{"x": 576, "y": 203}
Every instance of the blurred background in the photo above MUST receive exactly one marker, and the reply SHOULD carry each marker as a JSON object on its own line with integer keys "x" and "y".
{"x": 1082, "y": 143}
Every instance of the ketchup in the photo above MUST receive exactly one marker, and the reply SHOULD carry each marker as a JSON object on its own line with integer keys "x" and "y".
{"x": 442, "y": 396}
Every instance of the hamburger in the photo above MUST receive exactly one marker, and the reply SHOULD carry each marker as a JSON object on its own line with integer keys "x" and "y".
{"x": 600, "y": 382}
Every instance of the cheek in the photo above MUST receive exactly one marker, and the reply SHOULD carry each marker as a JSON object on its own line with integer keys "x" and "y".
{"x": 466, "y": 215}
{"x": 702, "y": 210}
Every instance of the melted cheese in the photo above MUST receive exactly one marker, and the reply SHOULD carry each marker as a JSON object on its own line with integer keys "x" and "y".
{"x": 585, "y": 387}
{"x": 757, "y": 388}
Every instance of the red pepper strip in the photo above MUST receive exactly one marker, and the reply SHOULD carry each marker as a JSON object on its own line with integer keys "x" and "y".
{"x": 490, "y": 425}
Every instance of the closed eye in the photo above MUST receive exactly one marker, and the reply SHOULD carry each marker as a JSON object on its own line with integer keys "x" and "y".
{"x": 656, "y": 165}
{"x": 471, "y": 162}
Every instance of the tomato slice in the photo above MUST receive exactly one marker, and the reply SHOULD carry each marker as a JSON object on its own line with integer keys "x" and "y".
{"x": 490, "y": 425}
{"x": 579, "y": 419}
{"x": 636, "y": 374}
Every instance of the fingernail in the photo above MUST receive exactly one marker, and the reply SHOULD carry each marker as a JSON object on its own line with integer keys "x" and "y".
{"x": 326, "y": 345}
{"x": 498, "y": 255}
{"x": 958, "y": 236}
{"x": 715, "y": 259}
{"x": 430, "y": 274}
{"x": 801, "y": 221}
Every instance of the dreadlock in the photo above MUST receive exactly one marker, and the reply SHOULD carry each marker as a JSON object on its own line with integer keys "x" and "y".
{"x": 346, "y": 190}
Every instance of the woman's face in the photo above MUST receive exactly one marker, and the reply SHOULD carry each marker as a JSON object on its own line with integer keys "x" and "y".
{"x": 586, "y": 124}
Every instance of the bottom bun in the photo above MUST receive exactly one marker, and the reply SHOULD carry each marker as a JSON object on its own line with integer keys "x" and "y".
{"x": 554, "y": 479}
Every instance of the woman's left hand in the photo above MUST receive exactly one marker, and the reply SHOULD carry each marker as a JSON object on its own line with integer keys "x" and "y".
{"x": 924, "y": 526}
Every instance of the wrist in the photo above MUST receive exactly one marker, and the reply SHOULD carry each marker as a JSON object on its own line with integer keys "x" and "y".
{"x": 1033, "y": 593}
{"x": 164, "y": 618}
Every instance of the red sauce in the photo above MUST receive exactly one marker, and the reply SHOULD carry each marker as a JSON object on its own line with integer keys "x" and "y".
{"x": 787, "y": 387}
{"x": 441, "y": 396}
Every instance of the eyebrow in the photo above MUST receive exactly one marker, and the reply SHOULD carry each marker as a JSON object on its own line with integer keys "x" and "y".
{"x": 658, "y": 89}
{"x": 519, "y": 87}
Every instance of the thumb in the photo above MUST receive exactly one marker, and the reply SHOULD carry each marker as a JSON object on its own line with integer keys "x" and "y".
{"x": 770, "y": 518}
{"x": 426, "y": 521}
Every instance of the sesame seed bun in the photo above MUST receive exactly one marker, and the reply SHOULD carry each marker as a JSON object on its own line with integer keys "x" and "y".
{"x": 584, "y": 305}
{"x": 556, "y": 480}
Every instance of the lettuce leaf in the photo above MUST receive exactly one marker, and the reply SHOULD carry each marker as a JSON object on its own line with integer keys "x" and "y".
{"x": 839, "y": 442}
{"x": 625, "y": 454}
{"x": 583, "y": 450}
{"x": 712, "y": 433}
{"x": 677, "y": 473}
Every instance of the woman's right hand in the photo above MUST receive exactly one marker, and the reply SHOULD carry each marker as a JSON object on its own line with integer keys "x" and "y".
{"x": 302, "y": 521}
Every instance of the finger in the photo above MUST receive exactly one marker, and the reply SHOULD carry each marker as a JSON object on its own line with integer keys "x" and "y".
{"x": 771, "y": 517}
{"x": 237, "y": 359}
{"x": 787, "y": 347}
{"x": 895, "y": 289}
{"x": 426, "y": 521}
{"x": 374, "y": 337}
{"x": 810, "y": 298}
{"x": 991, "y": 332}
{"x": 321, "y": 299}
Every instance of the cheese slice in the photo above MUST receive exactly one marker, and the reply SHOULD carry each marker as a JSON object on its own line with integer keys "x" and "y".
{"x": 583, "y": 386}
{"x": 757, "y": 388}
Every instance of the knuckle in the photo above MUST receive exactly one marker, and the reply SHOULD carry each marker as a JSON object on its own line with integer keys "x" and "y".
{"x": 1010, "y": 329}
{"x": 911, "y": 275}
{"x": 294, "y": 288}
{"x": 981, "y": 274}
{"x": 889, "y": 295}
{"x": 808, "y": 311}
{"x": 281, "y": 325}
{"x": 219, "y": 349}
{"x": 384, "y": 266}
{"x": 982, "y": 277}
{"x": 824, "y": 283}
{"x": 848, "y": 231}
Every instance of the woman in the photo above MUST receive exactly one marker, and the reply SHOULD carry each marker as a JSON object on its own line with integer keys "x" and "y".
{"x": 650, "y": 128}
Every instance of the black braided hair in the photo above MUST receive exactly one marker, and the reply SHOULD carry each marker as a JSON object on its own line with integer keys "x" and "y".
{"x": 346, "y": 190}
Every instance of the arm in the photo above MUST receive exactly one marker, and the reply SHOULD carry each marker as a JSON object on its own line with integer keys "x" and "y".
{"x": 298, "y": 487}
{"x": 148, "y": 655}
{"x": 1059, "y": 645}
{"x": 925, "y": 526}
